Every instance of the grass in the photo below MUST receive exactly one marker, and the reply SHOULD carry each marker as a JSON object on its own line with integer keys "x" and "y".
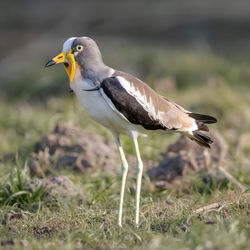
{"x": 14, "y": 193}
{"x": 205, "y": 83}
{"x": 163, "y": 220}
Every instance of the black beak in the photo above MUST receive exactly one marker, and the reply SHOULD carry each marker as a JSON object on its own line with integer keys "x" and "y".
{"x": 50, "y": 63}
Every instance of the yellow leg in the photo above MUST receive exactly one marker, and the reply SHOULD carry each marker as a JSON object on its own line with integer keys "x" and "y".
{"x": 139, "y": 169}
{"x": 124, "y": 175}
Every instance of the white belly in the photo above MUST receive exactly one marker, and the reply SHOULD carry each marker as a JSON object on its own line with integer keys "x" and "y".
{"x": 100, "y": 110}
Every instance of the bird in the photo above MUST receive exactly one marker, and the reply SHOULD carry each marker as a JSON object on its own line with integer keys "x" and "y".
{"x": 125, "y": 105}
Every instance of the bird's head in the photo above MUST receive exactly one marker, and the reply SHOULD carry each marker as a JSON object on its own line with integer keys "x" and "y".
{"x": 78, "y": 54}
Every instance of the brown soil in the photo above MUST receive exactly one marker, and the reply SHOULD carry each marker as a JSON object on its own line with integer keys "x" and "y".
{"x": 69, "y": 146}
{"x": 57, "y": 186}
{"x": 185, "y": 157}
{"x": 14, "y": 220}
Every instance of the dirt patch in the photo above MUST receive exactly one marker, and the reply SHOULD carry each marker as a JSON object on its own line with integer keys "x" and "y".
{"x": 38, "y": 231}
{"x": 185, "y": 157}
{"x": 15, "y": 220}
{"x": 49, "y": 228}
{"x": 57, "y": 186}
{"x": 69, "y": 146}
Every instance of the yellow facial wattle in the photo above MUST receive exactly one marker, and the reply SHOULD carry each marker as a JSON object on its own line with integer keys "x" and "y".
{"x": 69, "y": 63}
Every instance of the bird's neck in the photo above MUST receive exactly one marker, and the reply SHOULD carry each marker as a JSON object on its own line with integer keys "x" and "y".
{"x": 96, "y": 72}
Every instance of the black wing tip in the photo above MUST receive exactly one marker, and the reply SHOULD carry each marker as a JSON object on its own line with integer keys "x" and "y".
{"x": 203, "y": 118}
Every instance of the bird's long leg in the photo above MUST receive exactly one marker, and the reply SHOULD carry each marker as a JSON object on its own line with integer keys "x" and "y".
{"x": 124, "y": 175}
{"x": 139, "y": 169}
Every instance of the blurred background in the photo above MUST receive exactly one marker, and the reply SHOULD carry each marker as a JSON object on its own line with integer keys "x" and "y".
{"x": 196, "y": 53}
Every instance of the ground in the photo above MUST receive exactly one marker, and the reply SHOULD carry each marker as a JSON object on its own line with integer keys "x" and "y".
{"x": 204, "y": 82}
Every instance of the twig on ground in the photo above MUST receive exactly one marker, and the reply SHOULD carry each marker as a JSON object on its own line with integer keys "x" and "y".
{"x": 216, "y": 207}
{"x": 231, "y": 178}
{"x": 206, "y": 208}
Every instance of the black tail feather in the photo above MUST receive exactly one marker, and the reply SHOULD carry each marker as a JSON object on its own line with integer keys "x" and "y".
{"x": 202, "y": 139}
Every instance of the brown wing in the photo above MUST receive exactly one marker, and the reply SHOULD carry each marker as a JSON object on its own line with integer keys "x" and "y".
{"x": 142, "y": 105}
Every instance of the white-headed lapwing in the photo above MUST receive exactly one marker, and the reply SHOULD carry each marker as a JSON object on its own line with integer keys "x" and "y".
{"x": 124, "y": 104}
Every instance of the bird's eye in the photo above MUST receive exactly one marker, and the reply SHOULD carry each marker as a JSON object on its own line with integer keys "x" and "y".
{"x": 79, "y": 48}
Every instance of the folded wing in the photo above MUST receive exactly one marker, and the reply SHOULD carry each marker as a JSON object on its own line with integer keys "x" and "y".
{"x": 141, "y": 105}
